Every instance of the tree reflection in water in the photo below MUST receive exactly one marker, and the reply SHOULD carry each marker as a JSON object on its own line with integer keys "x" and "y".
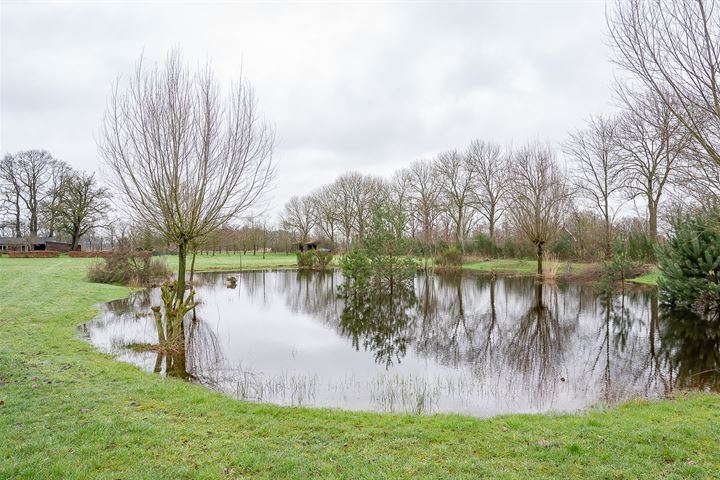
{"x": 379, "y": 317}
{"x": 477, "y": 343}
{"x": 536, "y": 347}
{"x": 690, "y": 344}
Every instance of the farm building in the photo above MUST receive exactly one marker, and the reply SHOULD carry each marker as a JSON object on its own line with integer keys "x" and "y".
{"x": 25, "y": 244}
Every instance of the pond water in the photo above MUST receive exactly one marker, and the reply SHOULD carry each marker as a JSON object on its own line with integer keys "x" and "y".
{"x": 467, "y": 344}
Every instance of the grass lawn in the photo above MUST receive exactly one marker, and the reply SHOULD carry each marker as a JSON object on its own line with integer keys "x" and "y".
{"x": 70, "y": 412}
{"x": 650, "y": 278}
{"x": 236, "y": 261}
{"x": 525, "y": 266}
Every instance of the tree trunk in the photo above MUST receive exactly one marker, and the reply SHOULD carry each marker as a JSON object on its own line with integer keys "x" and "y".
{"x": 652, "y": 214}
{"x": 539, "y": 258}
{"x": 18, "y": 232}
{"x": 182, "y": 260}
{"x": 75, "y": 240}
{"x": 192, "y": 266}
{"x": 608, "y": 243}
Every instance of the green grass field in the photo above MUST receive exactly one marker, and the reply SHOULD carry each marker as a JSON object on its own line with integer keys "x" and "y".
{"x": 236, "y": 261}
{"x": 650, "y": 278}
{"x": 69, "y": 412}
{"x": 525, "y": 266}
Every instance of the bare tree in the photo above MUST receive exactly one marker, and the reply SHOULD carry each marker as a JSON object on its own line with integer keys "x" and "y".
{"x": 185, "y": 159}
{"x": 59, "y": 172}
{"x": 342, "y": 190}
{"x": 325, "y": 210}
{"x": 366, "y": 192}
{"x": 490, "y": 166}
{"x": 457, "y": 184}
{"x": 10, "y": 188}
{"x": 651, "y": 142}
{"x": 82, "y": 207}
{"x": 672, "y": 48}
{"x": 299, "y": 216}
{"x": 598, "y": 170}
{"x": 425, "y": 196}
{"x": 539, "y": 195}
{"x": 398, "y": 200}
{"x": 32, "y": 172}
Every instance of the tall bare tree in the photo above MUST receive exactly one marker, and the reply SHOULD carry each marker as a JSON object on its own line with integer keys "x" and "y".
{"x": 325, "y": 212}
{"x": 490, "y": 166}
{"x": 10, "y": 189}
{"x": 672, "y": 48}
{"x": 33, "y": 174}
{"x": 398, "y": 200}
{"x": 598, "y": 169}
{"x": 425, "y": 197}
{"x": 82, "y": 206}
{"x": 185, "y": 159}
{"x": 539, "y": 195}
{"x": 299, "y": 216}
{"x": 651, "y": 142}
{"x": 457, "y": 183}
{"x": 342, "y": 192}
{"x": 59, "y": 173}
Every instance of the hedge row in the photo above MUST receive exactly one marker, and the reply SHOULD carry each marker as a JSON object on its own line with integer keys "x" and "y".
{"x": 34, "y": 254}
{"x": 106, "y": 254}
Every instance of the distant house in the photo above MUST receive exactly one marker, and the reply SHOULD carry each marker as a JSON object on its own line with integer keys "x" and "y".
{"x": 25, "y": 244}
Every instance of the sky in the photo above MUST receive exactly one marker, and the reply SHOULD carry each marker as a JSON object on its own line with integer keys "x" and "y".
{"x": 354, "y": 86}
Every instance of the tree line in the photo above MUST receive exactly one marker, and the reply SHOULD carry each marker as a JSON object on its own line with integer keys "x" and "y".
{"x": 43, "y": 196}
{"x": 658, "y": 151}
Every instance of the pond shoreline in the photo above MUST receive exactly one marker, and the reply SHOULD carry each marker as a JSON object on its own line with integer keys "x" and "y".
{"x": 65, "y": 403}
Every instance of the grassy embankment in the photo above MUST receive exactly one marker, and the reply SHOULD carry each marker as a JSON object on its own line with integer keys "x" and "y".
{"x": 236, "y": 261}
{"x": 229, "y": 262}
{"x": 529, "y": 267}
{"x": 70, "y": 412}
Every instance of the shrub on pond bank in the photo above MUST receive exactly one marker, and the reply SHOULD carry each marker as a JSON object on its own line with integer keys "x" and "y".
{"x": 314, "y": 259}
{"x": 127, "y": 267}
{"x": 449, "y": 259}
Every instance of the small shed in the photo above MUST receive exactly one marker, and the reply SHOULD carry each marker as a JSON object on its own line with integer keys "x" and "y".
{"x": 306, "y": 246}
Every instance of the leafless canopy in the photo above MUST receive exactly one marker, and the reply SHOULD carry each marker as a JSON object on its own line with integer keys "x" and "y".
{"x": 185, "y": 158}
{"x": 597, "y": 168}
{"x": 673, "y": 49}
{"x": 489, "y": 164}
{"x": 539, "y": 195}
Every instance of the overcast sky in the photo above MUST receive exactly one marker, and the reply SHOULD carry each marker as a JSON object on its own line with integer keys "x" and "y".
{"x": 369, "y": 86}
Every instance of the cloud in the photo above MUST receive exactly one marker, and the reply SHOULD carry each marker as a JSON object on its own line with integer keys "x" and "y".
{"x": 365, "y": 87}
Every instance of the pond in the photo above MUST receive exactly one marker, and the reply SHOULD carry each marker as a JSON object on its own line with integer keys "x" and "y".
{"x": 475, "y": 345}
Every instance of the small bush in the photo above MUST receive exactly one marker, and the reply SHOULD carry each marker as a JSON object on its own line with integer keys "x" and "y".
{"x": 615, "y": 271}
{"x": 562, "y": 247}
{"x": 126, "y": 267}
{"x": 449, "y": 259}
{"x": 306, "y": 260}
{"x": 640, "y": 247}
{"x": 482, "y": 245}
{"x": 323, "y": 259}
{"x": 356, "y": 265}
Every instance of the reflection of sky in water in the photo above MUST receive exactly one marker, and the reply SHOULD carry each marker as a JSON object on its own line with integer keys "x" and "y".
{"x": 473, "y": 345}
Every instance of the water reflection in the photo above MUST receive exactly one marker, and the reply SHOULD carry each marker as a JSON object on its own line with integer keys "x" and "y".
{"x": 477, "y": 345}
